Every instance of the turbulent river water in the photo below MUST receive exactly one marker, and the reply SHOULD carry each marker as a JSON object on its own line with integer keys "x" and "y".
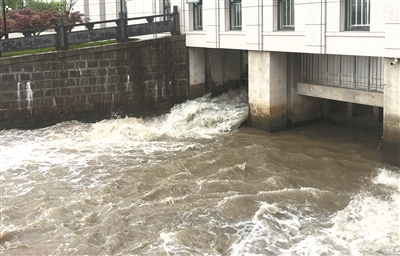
{"x": 196, "y": 182}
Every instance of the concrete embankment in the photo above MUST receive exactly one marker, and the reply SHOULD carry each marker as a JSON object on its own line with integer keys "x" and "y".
{"x": 134, "y": 78}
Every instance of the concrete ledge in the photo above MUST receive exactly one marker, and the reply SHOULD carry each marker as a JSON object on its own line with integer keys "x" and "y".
{"x": 341, "y": 94}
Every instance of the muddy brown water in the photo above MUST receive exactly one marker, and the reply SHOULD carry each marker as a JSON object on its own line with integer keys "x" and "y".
{"x": 195, "y": 182}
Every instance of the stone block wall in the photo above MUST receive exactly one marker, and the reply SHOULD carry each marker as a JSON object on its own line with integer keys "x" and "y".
{"x": 140, "y": 78}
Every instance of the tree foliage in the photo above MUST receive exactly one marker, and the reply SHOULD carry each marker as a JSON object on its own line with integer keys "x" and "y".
{"x": 13, "y": 4}
{"x": 40, "y": 6}
{"x": 33, "y": 20}
{"x": 68, "y": 5}
{"x": 69, "y": 16}
{"x": 28, "y": 19}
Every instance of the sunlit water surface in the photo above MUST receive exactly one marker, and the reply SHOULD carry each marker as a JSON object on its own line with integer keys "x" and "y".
{"x": 193, "y": 183}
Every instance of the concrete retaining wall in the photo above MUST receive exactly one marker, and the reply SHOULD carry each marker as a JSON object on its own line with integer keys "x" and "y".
{"x": 135, "y": 79}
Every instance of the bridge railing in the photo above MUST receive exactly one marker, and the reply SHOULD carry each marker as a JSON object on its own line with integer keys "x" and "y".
{"x": 64, "y": 36}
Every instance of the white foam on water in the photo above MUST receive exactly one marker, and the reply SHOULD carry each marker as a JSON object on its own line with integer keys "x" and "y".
{"x": 83, "y": 156}
{"x": 207, "y": 115}
{"x": 183, "y": 243}
{"x": 230, "y": 173}
{"x": 200, "y": 118}
{"x": 388, "y": 178}
{"x": 78, "y": 157}
{"x": 170, "y": 244}
{"x": 296, "y": 191}
{"x": 369, "y": 225}
{"x": 168, "y": 240}
{"x": 265, "y": 233}
{"x": 74, "y": 145}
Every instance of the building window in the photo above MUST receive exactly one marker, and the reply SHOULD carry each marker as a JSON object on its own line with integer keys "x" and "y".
{"x": 286, "y": 14}
{"x": 197, "y": 14}
{"x": 358, "y": 14}
{"x": 236, "y": 14}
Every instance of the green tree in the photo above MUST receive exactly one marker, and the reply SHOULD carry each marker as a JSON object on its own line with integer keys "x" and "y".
{"x": 46, "y": 15}
{"x": 40, "y": 6}
{"x": 12, "y": 4}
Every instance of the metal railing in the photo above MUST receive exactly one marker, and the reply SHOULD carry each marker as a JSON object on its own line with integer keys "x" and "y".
{"x": 357, "y": 72}
{"x": 64, "y": 36}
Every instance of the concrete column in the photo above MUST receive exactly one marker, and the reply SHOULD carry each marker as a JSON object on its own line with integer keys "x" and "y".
{"x": 391, "y": 112}
{"x": 377, "y": 114}
{"x": 102, "y": 7}
{"x": 301, "y": 109}
{"x": 267, "y": 90}
{"x": 86, "y": 8}
{"x": 352, "y": 110}
{"x": 196, "y": 72}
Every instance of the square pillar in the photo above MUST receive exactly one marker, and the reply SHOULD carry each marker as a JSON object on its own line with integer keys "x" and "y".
{"x": 352, "y": 110}
{"x": 301, "y": 109}
{"x": 377, "y": 114}
{"x": 391, "y": 112}
{"x": 267, "y": 90}
{"x": 197, "y": 72}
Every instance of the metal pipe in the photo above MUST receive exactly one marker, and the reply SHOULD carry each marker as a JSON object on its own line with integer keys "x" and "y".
{"x": 4, "y": 19}
{"x": 123, "y": 8}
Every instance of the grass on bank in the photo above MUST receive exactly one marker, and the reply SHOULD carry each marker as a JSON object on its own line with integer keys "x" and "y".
{"x": 52, "y": 49}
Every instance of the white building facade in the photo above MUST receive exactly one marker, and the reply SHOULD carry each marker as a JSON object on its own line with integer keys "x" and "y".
{"x": 299, "y": 57}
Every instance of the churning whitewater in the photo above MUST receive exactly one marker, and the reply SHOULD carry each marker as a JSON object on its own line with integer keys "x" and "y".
{"x": 196, "y": 182}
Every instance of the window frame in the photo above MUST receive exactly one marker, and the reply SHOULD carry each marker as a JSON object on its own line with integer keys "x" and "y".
{"x": 197, "y": 14}
{"x": 281, "y": 12}
{"x": 235, "y": 15}
{"x": 351, "y": 17}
